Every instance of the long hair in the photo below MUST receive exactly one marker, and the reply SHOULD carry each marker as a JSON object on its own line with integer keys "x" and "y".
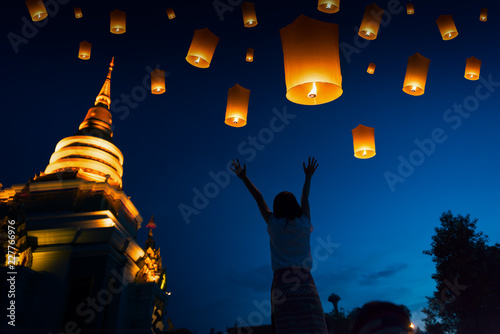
{"x": 286, "y": 206}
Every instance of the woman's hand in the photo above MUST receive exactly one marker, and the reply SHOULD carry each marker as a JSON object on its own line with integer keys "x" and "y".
{"x": 311, "y": 167}
{"x": 240, "y": 172}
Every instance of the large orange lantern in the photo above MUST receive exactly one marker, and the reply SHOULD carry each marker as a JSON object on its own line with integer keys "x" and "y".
{"x": 363, "y": 138}
{"x": 237, "y": 106}
{"x": 250, "y": 52}
{"x": 416, "y": 75}
{"x": 78, "y": 13}
{"x": 447, "y": 27}
{"x": 371, "y": 68}
{"x": 249, "y": 16}
{"x": 118, "y": 22}
{"x": 484, "y": 15}
{"x": 84, "y": 52}
{"x": 202, "y": 48}
{"x": 312, "y": 61}
{"x": 37, "y": 9}
{"x": 329, "y": 6}
{"x": 157, "y": 81}
{"x": 170, "y": 13}
{"x": 472, "y": 68}
{"x": 410, "y": 10}
{"x": 371, "y": 22}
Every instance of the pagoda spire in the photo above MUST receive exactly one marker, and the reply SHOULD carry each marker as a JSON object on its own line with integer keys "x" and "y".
{"x": 104, "y": 97}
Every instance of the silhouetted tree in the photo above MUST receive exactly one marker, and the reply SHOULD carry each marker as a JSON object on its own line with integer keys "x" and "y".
{"x": 334, "y": 299}
{"x": 467, "y": 296}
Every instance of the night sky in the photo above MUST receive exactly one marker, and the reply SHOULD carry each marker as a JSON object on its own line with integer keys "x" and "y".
{"x": 368, "y": 234}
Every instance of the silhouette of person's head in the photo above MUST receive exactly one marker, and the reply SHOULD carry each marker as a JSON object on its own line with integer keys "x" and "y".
{"x": 286, "y": 206}
{"x": 381, "y": 318}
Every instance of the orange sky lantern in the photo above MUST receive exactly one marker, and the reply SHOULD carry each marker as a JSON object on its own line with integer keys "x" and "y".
{"x": 118, "y": 22}
{"x": 157, "y": 81}
{"x": 312, "y": 61}
{"x": 237, "y": 106}
{"x": 202, "y": 48}
{"x": 371, "y": 68}
{"x": 37, "y": 9}
{"x": 363, "y": 138}
{"x": 249, "y": 57}
{"x": 78, "y": 13}
{"x": 84, "y": 52}
{"x": 371, "y": 22}
{"x": 249, "y": 16}
{"x": 447, "y": 27}
{"x": 410, "y": 10}
{"x": 472, "y": 68}
{"x": 484, "y": 15}
{"x": 416, "y": 75}
{"x": 170, "y": 13}
{"x": 329, "y": 6}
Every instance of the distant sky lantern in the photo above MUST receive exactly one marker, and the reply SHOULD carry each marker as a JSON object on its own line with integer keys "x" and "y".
{"x": 484, "y": 14}
{"x": 472, "y": 68}
{"x": 84, "y": 52}
{"x": 312, "y": 61}
{"x": 249, "y": 16}
{"x": 363, "y": 138}
{"x": 118, "y": 22}
{"x": 202, "y": 48}
{"x": 250, "y": 55}
{"x": 157, "y": 81}
{"x": 447, "y": 27}
{"x": 371, "y": 68}
{"x": 409, "y": 9}
{"x": 151, "y": 223}
{"x": 78, "y": 13}
{"x": 416, "y": 75}
{"x": 37, "y": 9}
{"x": 371, "y": 22}
{"x": 329, "y": 6}
{"x": 237, "y": 106}
{"x": 170, "y": 13}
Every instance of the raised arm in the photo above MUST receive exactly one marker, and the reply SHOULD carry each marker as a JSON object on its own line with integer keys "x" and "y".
{"x": 242, "y": 174}
{"x": 309, "y": 171}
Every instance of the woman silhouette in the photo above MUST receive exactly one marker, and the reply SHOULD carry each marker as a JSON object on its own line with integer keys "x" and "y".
{"x": 295, "y": 304}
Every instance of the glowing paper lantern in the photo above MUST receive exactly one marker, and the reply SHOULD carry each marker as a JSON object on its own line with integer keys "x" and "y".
{"x": 409, "y": 9}
{"x": 363, "y": 138}
{"x": 78, "y": 13}
{"x": 170, "y": 13}
{"x": 371, "y": 68}
{"x": 202, "y": 48}
{"x": 329, "y": 6}
{"x": 118, "y": 22}
{"x": 151, "y": 223}
{"x": 416, "y": 75}
{"x": 472, "y": 68}
{"x": 237, "y": 106}
{"x": 157, "y": 81}
{"x": 312, "y": 62}
{"x": 84, "y": 52}
{"x": 447, "y": 27}
{"x": 371, "y": 22}
{"x": 249, "y": 16}
{"x": 37, "y": 9}
{"x": 484, "y": 15}
{"x": 250, "y": 55}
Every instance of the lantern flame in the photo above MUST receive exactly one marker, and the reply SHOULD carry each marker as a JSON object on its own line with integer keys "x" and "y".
{"x": 414, "y": 88}
{"x": 367, "y": 33}
{"x": 235, "y": 121}
{"x": 449, "y": 34}
{"x": 329, "y": 6}
{"x": 364, "y": 153}
{"x": 250, "y": 22}
{"x": 197, "y": 60}
{"x": 314, "y": 92}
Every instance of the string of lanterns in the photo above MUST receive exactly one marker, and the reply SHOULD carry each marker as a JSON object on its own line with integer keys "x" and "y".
{"x": 310, "y": 55}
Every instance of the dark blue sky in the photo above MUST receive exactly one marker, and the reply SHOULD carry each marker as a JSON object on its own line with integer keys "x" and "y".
{"x": 218, "y": 265}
